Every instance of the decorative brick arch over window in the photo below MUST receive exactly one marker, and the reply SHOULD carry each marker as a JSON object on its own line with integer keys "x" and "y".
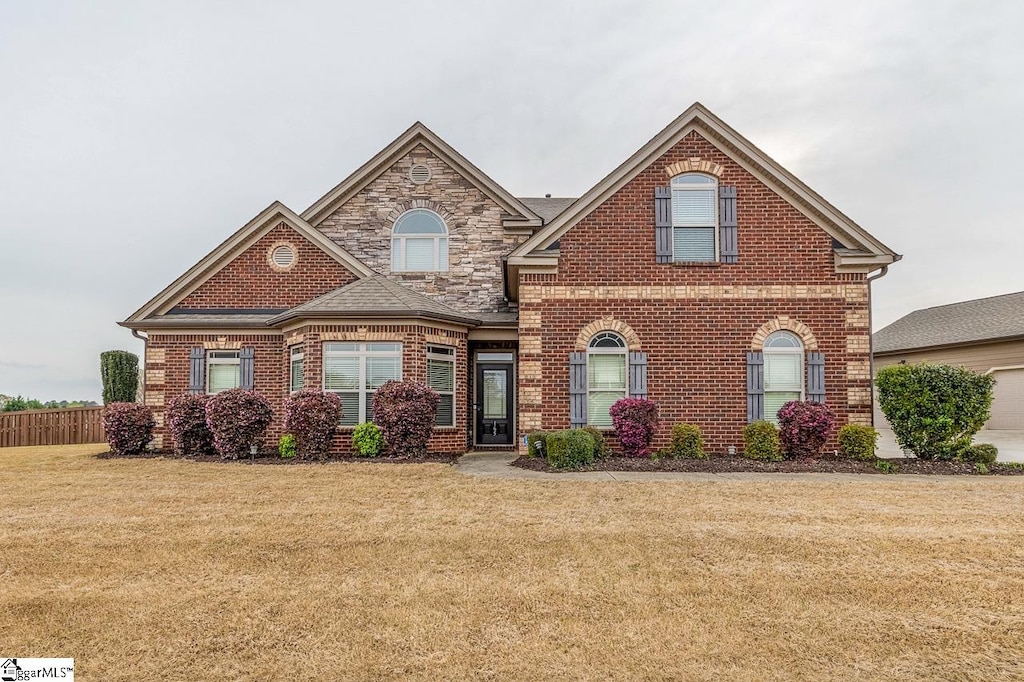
{"x": 694, "y": 165}
{"x": 607, "y": 324}
{"x": 788, "y": 324}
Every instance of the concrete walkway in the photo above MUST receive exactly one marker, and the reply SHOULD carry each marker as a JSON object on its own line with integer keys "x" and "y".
{"x": 498, "y": 465}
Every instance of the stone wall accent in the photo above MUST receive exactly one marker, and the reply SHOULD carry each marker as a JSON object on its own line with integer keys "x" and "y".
{"x": 155, "y": 355}
{"x": 787, "y": 324}
{"x": 694, "y": 165}
{"x": 476, "y": 239}
{"x": 607, "y": 324}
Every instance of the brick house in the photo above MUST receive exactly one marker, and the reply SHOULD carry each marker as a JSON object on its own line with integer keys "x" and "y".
{"x": 699, "y": 273}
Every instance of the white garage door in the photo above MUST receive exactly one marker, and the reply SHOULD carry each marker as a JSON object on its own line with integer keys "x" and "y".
{"x": 1008, "y": 400}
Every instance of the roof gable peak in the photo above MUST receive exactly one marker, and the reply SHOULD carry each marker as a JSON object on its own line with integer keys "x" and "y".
{"x": 416, "y": 134}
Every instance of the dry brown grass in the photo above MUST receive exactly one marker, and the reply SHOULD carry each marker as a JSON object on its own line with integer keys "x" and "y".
{"x": 161, "y": 569}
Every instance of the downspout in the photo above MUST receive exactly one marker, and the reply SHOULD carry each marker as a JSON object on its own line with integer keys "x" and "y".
{"x": 871, "y": 339}
{"x": 145, "y": 347}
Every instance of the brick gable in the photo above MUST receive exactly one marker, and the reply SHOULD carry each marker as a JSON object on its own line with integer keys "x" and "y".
{"x": 249, "y": 280}
{"x": 615, "y": 243}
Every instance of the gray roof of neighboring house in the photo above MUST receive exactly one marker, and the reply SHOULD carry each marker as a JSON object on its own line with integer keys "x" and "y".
{"x": 547, "y": 207}
{"x": 376, "y": 296}
{"x": 983, "y": 319}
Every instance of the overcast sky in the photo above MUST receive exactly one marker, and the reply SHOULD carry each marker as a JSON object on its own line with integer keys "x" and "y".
{"x": 136, "y": 136}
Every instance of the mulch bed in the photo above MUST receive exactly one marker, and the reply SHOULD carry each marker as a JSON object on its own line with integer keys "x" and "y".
{"x": 729, "y": 464}
{"x": 272, "y": 457}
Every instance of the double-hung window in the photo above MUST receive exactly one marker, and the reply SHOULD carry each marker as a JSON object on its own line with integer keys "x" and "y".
{"x": 295, "y": 368}
{"x": 355, "y": 371}
{"x": 419, "y": 242}
{"x": 223, "y": 370}
{"x": 441, "y": 378}
{"x": 606, "y": 377}
{"x": 694, "y": 218}
{"x": 783, "y": 372}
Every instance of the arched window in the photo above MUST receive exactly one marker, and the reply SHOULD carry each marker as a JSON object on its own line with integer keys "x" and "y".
{"x": 419, "y": 242}
{"x": 694, "y": 218}
{"x": 783, "y": 372}
{"x": 606, "y": 376}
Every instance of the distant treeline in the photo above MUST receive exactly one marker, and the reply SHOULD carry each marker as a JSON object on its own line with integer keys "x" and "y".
{"x": 18, "y": 403}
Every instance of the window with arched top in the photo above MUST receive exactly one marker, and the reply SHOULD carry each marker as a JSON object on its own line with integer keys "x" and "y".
{"x": 419, "y": 242}
{"x": 694, "y": 218}
{"x": 607, "y": 376}
{"x": 783, "y": 372}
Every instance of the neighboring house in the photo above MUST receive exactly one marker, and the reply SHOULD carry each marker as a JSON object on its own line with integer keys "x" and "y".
{"x": 699, "y": 273}
{"x": 985, "y": 335}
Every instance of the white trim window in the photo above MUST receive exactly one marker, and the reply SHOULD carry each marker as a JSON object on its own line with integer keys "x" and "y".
{"x": 607, "y": 376}
{"x": 441, "y": 378}
{"x": 223, "y": 370}
{"x": 355, "y": 371}
{"x": 295, "y": 368}
{"x": 419, "y": 242}
{"x": 783, "y": 372}
{"x": 694, "y": 218}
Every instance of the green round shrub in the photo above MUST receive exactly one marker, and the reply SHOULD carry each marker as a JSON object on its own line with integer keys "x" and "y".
{"x": 569, "y": 449}
{"x": 934, "y": 410}
{"x": 858, "y": 441}
{"x": 286, "y": 446}
{"x": 367, "y": 440}
{"x": 981, "y": 453}
{"x": 687, "y": 442}
{"x": 600, "y": 446}
{"x": 761, "y": 441}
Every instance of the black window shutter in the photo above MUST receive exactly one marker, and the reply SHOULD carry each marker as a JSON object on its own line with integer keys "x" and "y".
{"x": 663, "y": 224}
{"x": 755, "y": 386}
{"x": 728, "y": 231}
{"x": 196, "y": 356}
{"x": 816, "y": 377}
{"x": 638, "y": 375}
{"x": 246, "y": 369}
{"x": 577, "y": 389}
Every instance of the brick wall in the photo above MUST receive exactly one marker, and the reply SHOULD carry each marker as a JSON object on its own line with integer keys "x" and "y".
{"x": 695, "y": 322}
{"x": 477, "y": 241}
{"x": 250, "y": 281}
{"x": 167, "y": 370}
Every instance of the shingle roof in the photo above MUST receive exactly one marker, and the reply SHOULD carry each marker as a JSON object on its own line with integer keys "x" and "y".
{"x": 982, "y": 319}
{"x": 375, "y": 296}
{"x": 547, "y": 207}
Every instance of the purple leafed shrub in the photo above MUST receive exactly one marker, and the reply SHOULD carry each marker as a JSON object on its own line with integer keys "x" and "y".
{"x": 635, "y": 421}
{"x": 404, "y": 411}
{"x": 238, "y": 419}
{"x": 312, "y": 416}
{"x": 186, "y": 422}
{"x": 804, "y": 427}
{"x": 129, "y": 427}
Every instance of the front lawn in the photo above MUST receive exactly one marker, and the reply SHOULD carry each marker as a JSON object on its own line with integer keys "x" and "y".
{"x": 172, "y": 569}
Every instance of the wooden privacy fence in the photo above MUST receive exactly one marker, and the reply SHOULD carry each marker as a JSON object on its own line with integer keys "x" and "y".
{"x": 65, "y": 426}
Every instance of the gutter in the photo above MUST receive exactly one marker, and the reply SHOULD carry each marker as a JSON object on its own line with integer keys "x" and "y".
{"x": 871, "y": 339}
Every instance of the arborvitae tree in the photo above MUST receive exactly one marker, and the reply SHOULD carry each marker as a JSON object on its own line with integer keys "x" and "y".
{"x": 120, "y": 372}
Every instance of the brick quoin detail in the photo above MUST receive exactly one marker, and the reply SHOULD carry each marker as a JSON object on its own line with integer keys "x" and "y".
{"x": 250, "y": 282}
{"x": 272, "y": 356}
{"x": 696, "y": 323}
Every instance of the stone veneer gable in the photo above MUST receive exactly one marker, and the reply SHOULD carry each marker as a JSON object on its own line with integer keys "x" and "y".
{"x": 477, "y": 241}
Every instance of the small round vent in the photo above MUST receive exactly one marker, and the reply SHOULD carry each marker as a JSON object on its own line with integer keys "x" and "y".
{"x": 419, "y": 174}
{"x": 282, "y": 256}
